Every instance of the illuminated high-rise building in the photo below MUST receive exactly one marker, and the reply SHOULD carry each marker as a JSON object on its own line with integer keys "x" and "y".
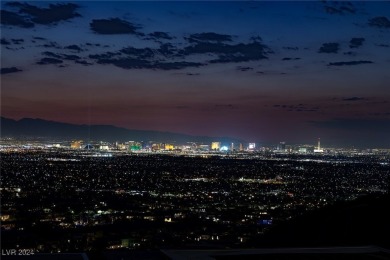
{"x": 282, "y": 146}
{"x": 241, "y": 147}
{"x": 76, "y": 144}
{"x": 104, "y": 147}
{"x": 318, "y": 150}
{"x": 215, "y": 146}
{"x": 135, "y": 147}
{"x": 121, "y": 147}
{"x": 169, "y": 147}
{"x": 155, "y": 147}
{"x": 204, "y": 147}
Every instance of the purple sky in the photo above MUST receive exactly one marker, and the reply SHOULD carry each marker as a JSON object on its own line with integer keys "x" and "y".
{"x": 260, "y": 71}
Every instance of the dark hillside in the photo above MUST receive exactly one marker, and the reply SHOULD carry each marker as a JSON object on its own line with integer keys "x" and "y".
{"x": 365, "y": 221}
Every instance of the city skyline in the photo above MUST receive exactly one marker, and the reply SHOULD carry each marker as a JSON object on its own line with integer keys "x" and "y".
{"x": 261, "y": 71}
{"x": 70, "y": 200}
{"x": 51, "y": 133}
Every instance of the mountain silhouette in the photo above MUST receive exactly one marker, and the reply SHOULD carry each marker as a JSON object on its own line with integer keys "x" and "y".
{"x": 39, "y": 128}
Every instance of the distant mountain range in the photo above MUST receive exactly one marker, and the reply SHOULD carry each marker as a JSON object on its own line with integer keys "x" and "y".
{"x": 39, "y": 128}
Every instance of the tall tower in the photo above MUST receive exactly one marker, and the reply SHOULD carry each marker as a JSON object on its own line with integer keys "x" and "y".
{"x": 318, "y": 150}
{"x": 282, "y": 146}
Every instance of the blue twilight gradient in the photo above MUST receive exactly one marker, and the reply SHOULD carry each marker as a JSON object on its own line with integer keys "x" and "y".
{"x": 302, "y": 88}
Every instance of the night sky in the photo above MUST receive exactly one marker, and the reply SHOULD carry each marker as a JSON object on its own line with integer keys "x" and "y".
{"x": 261, "y": 71}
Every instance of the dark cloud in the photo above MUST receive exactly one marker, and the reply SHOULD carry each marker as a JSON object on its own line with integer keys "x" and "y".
{"x": 350, "y": 53}
{"x": 107, "y": 55}
{"x": 236, "y": 58}
{"x": 338, "y": 7}
{"x": 349, "y": 63}
{"x": 297, "y": 108}
{"x": 53, "y": 14}
{"x": 83, "y": 62}
{"x": 9, "y": 70}
{"x": 4, "y": 42}
{"x": 229, "y": 53}
{"x": 175, "y": 65}
{"x": 133, "y": 63}
{"x": 45, "y": 61}
{"x": 73, "y": 47}
{"x": 287, "y": 59}
{"x": 126, "y": 63}
{"x": 113, "y": 26}
{"x": 331, "y": 10}
{"x": 353, "y": 99}
{"x": 10, "y": 18}
{"x": 332, "y": 47}
{"x": 40, "y": 38}
{"x": 209, "y": 37}
{"x": 380, "y": 22}
{"x": 142, "y": 53}
{"x": 356, "y": 42}
{"x": 93, "y": 44}
{"x": 17, "y": 41}
{"x": 291, "y": 48}
{"x": 241, "y": 68}
{"x": 383, "y": 45}
{"x": 160, "y": 35}
{"x": 169, "y": 57}
{"x": 59, "y": 57}
{"x": 51, "y": 54}
{"x": 256, "y": 39}
{"x": 70, "y": 57}
{"x": 341, "y": 10}
{"x": 167, "y": 49}
{"x": 51, "y": 45}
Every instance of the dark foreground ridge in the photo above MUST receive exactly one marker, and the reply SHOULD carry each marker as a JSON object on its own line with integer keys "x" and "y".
{"x": 320, "y": 253}
{"x": 364, "y": 221}
{"x": 347, "y": 230}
